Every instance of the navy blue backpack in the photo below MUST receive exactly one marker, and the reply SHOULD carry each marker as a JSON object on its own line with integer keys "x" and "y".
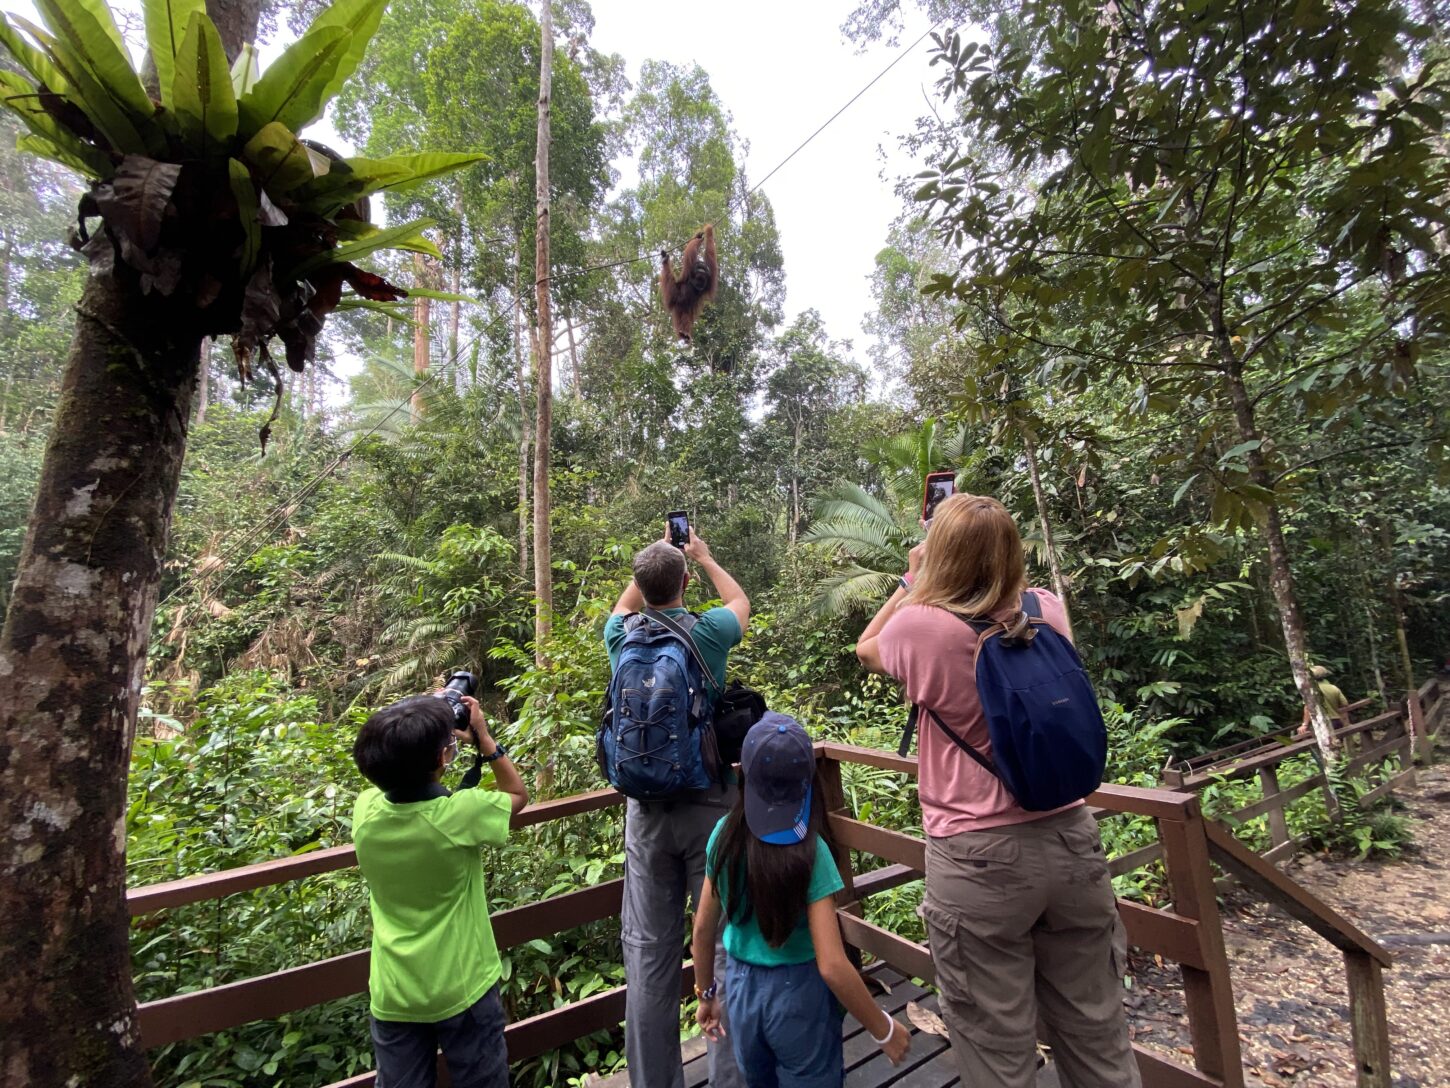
{"x": 656, "y": 738}
{"x": 1049, "y": 742}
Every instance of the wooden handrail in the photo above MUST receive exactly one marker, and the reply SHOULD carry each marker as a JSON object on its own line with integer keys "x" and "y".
{"x": 1253, "y": 744}
{"x": 1161, "y": 804}
{"x": 1254, "y": 872}
{"x": 266, "y": 997}
{"x": 1190, "y": 934}
{"x": 1250, "y": 764}
{"x": 204, "y": 887}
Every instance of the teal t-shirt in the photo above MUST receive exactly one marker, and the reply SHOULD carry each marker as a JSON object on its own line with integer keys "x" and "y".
{"x": 746, "y": 943}
{"x": 716, "y": 633}
{"x": 433, "y": 953}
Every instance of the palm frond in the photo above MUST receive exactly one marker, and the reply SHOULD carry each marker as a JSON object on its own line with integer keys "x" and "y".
{"x": 413, "y": 562}
{"x": 862, "y": 545}
{"x": 853, "y": 590}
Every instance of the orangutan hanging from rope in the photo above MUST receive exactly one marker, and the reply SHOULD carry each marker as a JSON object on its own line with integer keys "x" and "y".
{"x": 686, "y": 296}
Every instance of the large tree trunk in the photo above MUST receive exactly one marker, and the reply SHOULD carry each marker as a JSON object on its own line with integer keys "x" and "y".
{"x": 236, "y": 22}
{"x": 72, "y": 656}
{"x": 1281, "y": 573}
{"x": 525, "y": 424}
{"x": 543, "y": 415}
{"x": 1059, "y": 584}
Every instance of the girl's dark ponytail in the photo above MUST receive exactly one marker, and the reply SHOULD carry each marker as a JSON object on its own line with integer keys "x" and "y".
{"x": 767, "y": 881}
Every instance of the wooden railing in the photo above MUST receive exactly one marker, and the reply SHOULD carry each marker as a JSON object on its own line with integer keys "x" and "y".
{"x": 1189, "y": 933}
{"x": 1398, "y": 738}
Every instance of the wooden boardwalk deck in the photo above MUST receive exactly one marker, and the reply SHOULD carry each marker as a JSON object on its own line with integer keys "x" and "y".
{"x": 928, "y": 1065}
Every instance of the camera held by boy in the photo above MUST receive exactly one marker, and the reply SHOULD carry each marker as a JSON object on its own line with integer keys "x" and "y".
{"x": 433, "y": 980}
{"x": 770, "y": 871}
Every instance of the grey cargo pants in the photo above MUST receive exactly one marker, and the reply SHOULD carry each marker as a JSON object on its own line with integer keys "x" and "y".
{"x": 1024, "y": 930}
{"x": 664, "y": 858}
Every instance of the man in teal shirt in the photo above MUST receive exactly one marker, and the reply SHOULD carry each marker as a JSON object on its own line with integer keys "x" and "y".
{"x": 665, "y": 841}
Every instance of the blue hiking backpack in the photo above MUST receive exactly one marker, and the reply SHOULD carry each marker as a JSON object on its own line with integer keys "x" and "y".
{"x": 656, "y": 737}
{"x": 1049, "y": 742}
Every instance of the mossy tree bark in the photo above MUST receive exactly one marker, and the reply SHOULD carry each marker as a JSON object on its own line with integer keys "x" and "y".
{"x": 72, "y": 658}
{"x": 543, "y": 413}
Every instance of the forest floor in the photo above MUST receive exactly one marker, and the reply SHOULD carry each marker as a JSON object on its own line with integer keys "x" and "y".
{"x": 1289, "y": 984}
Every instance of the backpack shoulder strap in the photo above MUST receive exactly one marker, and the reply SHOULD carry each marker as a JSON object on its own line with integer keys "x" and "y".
{"x": 956, "y": 738}
{"x": 682, "y": 632}
{"x": 1029, "y": 605}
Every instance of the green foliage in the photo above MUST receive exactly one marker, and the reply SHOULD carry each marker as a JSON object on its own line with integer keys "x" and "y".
{"x": 19, "y": 468}
{"x": 1378, "y": 831}
{"x": 250, "y": 775}
{"x": 264, "y": 262}
{"x": 369, "y": 582}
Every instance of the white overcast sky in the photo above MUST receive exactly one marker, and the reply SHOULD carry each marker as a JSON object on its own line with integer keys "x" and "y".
{"x": 781, "y": 67}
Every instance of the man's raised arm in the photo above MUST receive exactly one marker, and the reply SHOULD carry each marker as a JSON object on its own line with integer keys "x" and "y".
{"x": 731, "y": 595}
{"x": 631, "y": 600}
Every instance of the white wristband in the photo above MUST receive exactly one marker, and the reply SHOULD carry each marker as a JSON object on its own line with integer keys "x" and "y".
{"x": 890, "y": 1031}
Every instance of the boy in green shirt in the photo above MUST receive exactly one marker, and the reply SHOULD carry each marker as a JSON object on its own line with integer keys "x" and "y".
{"x": 433, "y": 979}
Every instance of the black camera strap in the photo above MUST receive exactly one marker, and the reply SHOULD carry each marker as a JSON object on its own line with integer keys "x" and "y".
{"x": 474, "y": 774}
{"x": 411, "y": 794}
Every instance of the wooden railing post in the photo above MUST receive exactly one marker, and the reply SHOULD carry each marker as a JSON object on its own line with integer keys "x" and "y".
{"x": 1208, "y": 990}
{"x": 1422, "y": 748}
{"x": 1369, "y": 1027}
{"x": 1278, "y": 825}
{"x": 834, "y": 803}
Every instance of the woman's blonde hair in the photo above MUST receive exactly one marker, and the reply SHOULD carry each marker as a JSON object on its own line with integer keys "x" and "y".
{"x": 973, "y": 563}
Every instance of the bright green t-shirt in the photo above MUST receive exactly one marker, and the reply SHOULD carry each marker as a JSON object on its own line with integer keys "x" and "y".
{"x": 716, "y": 633}
{"x": 746, "y": 943}
{"x": 433, "y": 952}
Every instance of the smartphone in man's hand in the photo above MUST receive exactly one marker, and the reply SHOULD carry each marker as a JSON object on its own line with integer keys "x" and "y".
{"x": 677, "y": 522}
{"x": 940, "y": 486}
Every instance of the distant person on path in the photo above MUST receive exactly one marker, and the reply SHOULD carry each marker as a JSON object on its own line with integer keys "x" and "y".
{"x": 665, "y": 841}
{"x": 1019, "y": 908}
{"x": 433, "y": 979}
{"x": 770, "y": 872}
{"x": 1334, "y": 699}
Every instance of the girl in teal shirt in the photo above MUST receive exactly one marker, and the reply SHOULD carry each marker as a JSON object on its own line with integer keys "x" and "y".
{"x": 770, "y": 870}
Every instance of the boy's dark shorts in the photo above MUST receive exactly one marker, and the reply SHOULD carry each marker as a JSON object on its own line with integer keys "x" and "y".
{"x": 472, "y": 1044}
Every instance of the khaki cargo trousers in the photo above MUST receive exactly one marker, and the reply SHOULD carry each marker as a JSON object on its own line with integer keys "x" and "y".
{"x": 1024, "y": 932}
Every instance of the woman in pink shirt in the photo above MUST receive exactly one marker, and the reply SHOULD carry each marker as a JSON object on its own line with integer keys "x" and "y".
{"x": 1019, "y": 908}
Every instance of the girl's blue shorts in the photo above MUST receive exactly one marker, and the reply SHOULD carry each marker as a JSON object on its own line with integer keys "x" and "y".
{"x": 785, "y": 1026}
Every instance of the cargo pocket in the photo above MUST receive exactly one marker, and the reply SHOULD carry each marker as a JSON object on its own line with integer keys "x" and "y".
{"x": 950, "y": 961}
{"x": 1087, "y": 863}
{"x": 981, "y": 851}
{"x": 977, "y": 872}
{"x": 1118, "y": 956}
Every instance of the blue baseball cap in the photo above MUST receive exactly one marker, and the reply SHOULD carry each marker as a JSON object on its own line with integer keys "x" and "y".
{"x": 779, "y": 765}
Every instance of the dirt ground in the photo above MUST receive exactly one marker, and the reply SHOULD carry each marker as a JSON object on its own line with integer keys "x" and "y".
{"x": 1289, "y": 984}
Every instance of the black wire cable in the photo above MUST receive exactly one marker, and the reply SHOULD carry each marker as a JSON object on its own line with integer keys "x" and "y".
{"x": 745, "y": 196}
